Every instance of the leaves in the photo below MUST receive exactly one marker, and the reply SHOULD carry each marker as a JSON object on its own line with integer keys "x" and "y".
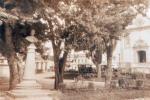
{"x": 80, "y": 24}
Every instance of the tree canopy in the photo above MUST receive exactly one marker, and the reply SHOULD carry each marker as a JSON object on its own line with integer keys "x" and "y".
{"x": 92, "y": 25}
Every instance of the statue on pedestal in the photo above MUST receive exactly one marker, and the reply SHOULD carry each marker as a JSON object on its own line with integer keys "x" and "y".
{"x": 32, "y": 38}
{"x": 29, "y": 89}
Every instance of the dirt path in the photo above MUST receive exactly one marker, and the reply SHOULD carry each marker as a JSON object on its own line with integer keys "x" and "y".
{"x": 4, "y": 83}
{"x": 106, "y": 95}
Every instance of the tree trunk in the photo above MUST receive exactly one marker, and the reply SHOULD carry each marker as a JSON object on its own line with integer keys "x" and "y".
{"x": 97, "y": 61}
{"x": 59, "y": 65}
{"x": 57, "y": 80}
{"x": 62, "y": 64}
{"x": 14, "y": 76}
{"x": 59, "y": 70}
{"x": 11, "y": 57}
{"x": 56, "y": 52}
{"x": 109, "y": 70}
{"x": 98, "y": 66}
{"x": 21, "y": 67}
{"x": 109, "y": 64}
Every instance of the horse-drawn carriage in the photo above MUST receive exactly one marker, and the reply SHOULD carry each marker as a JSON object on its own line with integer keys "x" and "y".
{"x": 86, "y": 71}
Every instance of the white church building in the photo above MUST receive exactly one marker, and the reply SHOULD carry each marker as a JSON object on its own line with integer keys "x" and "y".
{"x": 133, "y": 49}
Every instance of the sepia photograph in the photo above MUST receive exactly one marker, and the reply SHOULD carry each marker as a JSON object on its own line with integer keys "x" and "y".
{"x": 74, "y": 49}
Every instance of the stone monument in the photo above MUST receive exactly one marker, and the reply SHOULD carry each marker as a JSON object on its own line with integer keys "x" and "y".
{"x": 29, "y": 89}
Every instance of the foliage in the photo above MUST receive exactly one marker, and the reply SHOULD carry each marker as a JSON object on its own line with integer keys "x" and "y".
{"x": 98, "y": 20}
{"x": 92, "y": 25}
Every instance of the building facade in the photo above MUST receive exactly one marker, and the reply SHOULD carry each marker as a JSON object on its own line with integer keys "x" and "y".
{"x": 78, "y": 59}
{"x": 133, "y": 50}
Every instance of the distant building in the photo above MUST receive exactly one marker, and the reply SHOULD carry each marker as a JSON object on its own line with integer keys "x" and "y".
{"x": 78, "y": 59}
{"x": 133, "y": 50}
{"x": 44, "y": 65}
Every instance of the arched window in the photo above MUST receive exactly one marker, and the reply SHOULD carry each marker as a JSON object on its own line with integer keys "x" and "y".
{"x": 142, "y": 56}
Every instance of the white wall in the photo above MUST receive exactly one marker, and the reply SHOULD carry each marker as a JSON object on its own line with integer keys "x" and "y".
{"x": 139, "y": 30}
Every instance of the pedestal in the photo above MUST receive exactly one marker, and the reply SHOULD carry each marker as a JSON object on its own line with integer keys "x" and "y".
{"x": 29, "y": 89}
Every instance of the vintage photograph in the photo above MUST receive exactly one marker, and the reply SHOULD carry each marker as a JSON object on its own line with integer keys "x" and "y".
{"x": 74, "y": 49}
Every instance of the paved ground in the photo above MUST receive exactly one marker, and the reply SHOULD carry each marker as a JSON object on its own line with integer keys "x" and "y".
{"x": 3, "y": 87}
{"x": 3, "y": 83}
{"x": 47, "y": 81}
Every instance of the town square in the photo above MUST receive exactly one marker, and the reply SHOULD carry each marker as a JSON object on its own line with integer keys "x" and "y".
{"x": 74, "y": 49}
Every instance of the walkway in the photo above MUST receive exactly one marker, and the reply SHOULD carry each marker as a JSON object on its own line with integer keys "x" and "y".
{"x": 47, "y": 81}
{"x": 3, "y": 87}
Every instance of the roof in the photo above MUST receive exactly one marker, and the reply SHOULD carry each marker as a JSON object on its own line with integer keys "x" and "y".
{"x": 138, "y": 22}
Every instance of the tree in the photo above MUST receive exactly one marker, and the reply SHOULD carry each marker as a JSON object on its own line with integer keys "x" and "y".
{"x": 6, "y": 46}
{"x": 13, "y": 44}
{"x": 76, "y": 24}
{"x": 106, "y": 20}
{"x": 64, "y": 38}
{"x": 14, "y": 29}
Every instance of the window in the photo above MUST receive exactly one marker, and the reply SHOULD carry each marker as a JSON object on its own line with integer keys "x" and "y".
{"x": 142, "y": 56}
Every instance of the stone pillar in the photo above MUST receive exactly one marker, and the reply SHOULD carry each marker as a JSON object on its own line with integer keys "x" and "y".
{"x": 46, "y": 69}
{"x": 43, "y": 66}
{"x": 29, "y": 89}
{"x": 30, "y": 68}
{"x": 38, "y": 66}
